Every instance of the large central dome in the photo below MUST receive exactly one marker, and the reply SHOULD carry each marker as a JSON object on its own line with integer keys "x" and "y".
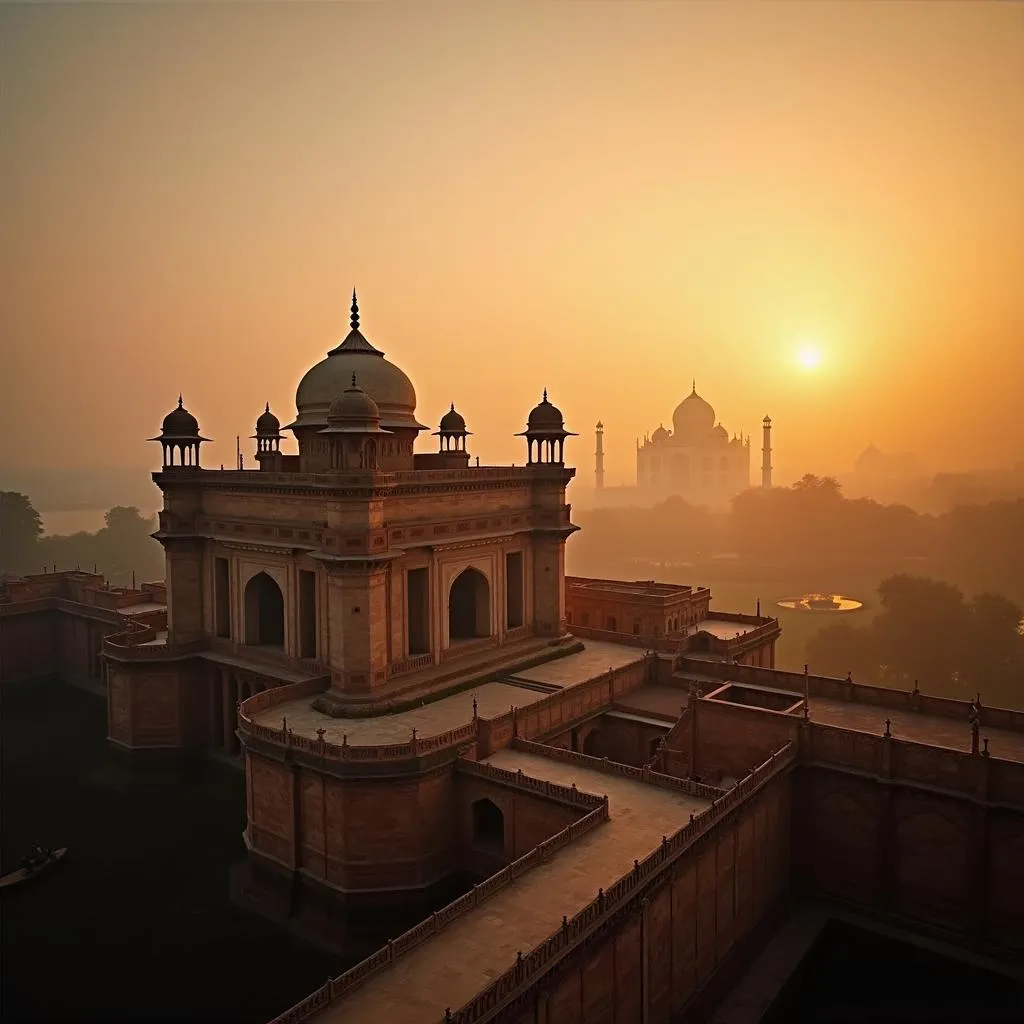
{"x": 693, "y": 419}
{"x": 384, "y": 382}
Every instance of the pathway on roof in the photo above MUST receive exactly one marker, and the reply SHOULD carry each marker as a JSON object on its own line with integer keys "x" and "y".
{"x": 435, "y": 717}
{"x": 597, "y": 657}
{"x": 952, "y": 733}
{"x": 448, "y": 969}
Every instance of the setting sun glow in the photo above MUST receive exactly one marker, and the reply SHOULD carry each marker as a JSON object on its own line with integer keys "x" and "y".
{"x": 808, "y": 357}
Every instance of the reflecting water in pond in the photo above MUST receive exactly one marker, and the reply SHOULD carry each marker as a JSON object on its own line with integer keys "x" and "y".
{"x": 821, "y": 603}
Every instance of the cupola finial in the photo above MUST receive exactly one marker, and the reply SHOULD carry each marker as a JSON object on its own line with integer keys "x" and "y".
{"x": 180, "y": 403}
{"x": 695, "y": 385}
{"x": 353, "y": 380}
{"x": 545, "y": 395}
{"x": 355, "y": 311}
{"x": 268, "y": 407}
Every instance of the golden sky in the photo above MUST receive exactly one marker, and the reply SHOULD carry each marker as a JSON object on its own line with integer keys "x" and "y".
{"x": 604, "y": 199}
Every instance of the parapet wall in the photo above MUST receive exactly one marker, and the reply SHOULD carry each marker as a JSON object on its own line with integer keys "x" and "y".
{"x": 934, "y": 837}
{"x": 832, "y": 688}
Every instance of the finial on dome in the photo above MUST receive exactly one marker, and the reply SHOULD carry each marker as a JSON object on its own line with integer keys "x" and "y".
{"x": 545, "y": 395}
{"x": 353, "y": 380}
{"x": 180, "y": 403}
{"x": 695, "y": 385}
{"x": 453, "y": 407}
{"x": 267, "y": 408}
{"x": 355, "y": 311}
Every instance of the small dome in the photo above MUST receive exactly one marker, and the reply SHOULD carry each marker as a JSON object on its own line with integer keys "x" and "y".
{"x": 720, "y": 433}
{"x": 661, "y": 434}
{"x": 353, "y": 405}
{"x": 694, "y": 418}
{"x": 545, "y": 416}
{"x": 268, "y": 424}
{"x": 180, "y": 423}
{"x": 452, "y": 422}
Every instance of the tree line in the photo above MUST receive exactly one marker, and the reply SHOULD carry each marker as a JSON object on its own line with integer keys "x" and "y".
{"x": 928, "y": 634}
{"x": 123, "y": 548}
{"x": 813, "y": 526}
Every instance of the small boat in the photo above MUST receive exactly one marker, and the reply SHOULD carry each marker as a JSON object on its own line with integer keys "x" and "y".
{"x": 23, "y": 874}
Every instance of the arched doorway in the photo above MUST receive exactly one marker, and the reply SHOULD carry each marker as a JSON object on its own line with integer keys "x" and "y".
{"x": 592, "y": 745}
{"x": 469, "y": 606}
{"x": 264, "y": 612}
{"x": 488, "y": 827}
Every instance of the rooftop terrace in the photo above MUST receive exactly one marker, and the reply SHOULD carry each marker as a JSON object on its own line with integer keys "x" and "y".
{"x": 493, "y": 698}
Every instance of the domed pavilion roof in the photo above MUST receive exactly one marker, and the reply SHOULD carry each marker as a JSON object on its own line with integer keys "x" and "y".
{"x": 660, "y": 434}
{"x": 693, "y": 419}
{"x": 180, "y": 423}
{"x": 452, "y": 422}
{"x": 268, "y": 425}
{"x": 385, "y": 383}
{"x": 353, "y": 412}
{"x": 545, "y": 416}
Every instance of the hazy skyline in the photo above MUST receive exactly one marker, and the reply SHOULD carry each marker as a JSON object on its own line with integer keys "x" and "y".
{"x": 603, "y": 199}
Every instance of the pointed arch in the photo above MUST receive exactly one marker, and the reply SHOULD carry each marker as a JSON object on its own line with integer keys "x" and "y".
{"x": 264, "y": 612}
{"x": 469, "y": 606}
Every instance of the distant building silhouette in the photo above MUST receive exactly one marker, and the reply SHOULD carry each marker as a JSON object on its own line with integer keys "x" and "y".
{"x": 696, "y": 459}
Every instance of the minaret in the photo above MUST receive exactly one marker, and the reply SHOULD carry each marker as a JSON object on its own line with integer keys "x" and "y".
{"x": 766, "y": 454}
{"x": 599, "y": 458}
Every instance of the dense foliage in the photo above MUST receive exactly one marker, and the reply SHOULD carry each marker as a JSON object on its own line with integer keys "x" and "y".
{"x": 123, "y": 547}
{"x": 927, "y": 632}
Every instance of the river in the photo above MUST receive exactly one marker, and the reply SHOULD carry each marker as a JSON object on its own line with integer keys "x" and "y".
{"x": 137, "y": 923}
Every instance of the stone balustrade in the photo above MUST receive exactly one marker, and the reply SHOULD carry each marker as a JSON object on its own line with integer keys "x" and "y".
{"x": 976, "y": 776}
{"x": 834, "y": 688}
{"x": 336, "y": 988}
{"x": 603, "y": 764}
{"x": 527, "y": 783}
{"x": 530, "y": 968}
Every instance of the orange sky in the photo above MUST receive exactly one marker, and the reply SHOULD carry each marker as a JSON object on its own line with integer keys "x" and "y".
{"x": 604, "y": 199}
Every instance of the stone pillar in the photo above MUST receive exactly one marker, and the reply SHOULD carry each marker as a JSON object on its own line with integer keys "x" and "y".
{"x": 184, "y": 589}
{"x": 357, "y": 607}
{"x": 548, "y": 584}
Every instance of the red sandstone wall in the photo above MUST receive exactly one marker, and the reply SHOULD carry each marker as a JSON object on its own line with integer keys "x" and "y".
{"x": 929, "y": 857}
{"x": 158, "y": 705}
{"x": 617, "y": 739}
{"x": 716, "y": 740}
{"x": 353, "y": 834}
{"x": 529, "y": 818}
{"x": 719, "y": 891}
{"x": 27, "y": 646}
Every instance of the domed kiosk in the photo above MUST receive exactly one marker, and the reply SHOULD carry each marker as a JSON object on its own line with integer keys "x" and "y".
{"x": 179, "y": 433}
{"x": 545, "y": 427}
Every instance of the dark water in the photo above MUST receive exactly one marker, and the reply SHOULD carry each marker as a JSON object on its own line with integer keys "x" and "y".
{"x": 854, "y": 976}
{"x": 136, "y": 924}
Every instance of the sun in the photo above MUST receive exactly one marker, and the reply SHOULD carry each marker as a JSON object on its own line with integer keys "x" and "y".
{"x": 808, "y": 357}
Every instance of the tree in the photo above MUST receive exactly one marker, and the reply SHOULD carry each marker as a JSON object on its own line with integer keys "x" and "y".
{"x": 927, "y": 633}
{"x": 20, "y": 529}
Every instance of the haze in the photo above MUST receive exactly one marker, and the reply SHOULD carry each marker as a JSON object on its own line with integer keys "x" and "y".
{"x": 606, "y": 200}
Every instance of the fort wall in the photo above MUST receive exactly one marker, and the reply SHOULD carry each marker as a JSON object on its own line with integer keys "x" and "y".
{"x": 643, "y": 948}
{"x": 932, "y": 836}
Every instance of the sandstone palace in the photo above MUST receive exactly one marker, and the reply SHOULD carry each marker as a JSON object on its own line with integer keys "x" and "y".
{"x": 387, "y": 638}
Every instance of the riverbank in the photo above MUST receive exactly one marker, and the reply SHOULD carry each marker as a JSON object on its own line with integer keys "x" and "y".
{"x": 137, "y": 924}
